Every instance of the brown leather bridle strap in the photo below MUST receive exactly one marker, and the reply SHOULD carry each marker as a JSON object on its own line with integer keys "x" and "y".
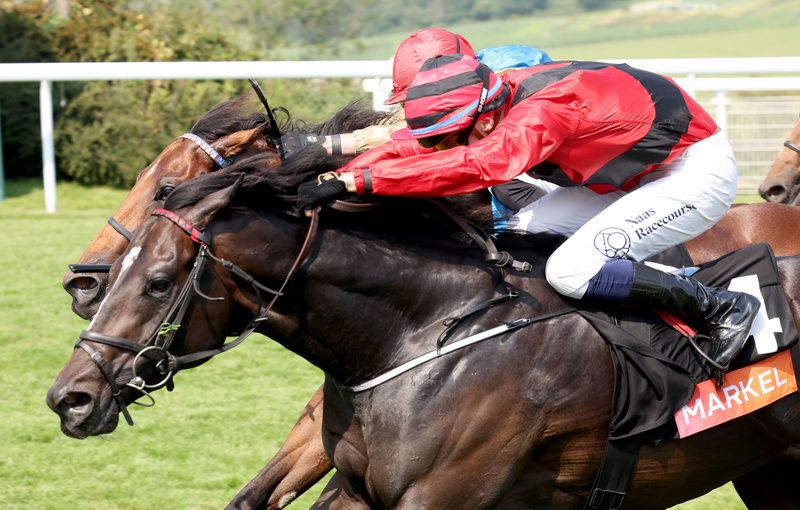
{"x": 118, "y": 342}
{"x": 354, "y": 207}
{"x": 106, "y": 371}
{"x": 182, "y": 361}
{"x": 311, "y": 234}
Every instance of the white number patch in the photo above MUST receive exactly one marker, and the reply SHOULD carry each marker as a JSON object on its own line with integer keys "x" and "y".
{"x": 764, "y": 328}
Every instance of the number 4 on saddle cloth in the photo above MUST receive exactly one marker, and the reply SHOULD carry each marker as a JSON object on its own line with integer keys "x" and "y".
{"x": 663, "y": 386}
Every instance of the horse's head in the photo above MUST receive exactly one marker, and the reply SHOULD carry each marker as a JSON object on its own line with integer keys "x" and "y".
{"x": 219, "y": 136}
{"x": 169, "y": 299}
{"x": 782, "y": 183}
{"x": 132, "y": 345}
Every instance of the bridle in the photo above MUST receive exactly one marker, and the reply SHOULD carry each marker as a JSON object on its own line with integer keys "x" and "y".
{"x": 793, "y": 146}
{"x": 220, "y": 162}
{"x": 156, "y": 350}
{"x": 274, "y": 138}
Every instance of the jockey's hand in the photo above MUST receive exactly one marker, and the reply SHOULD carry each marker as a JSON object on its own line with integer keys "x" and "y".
{"x": 325, "y": 188}
{"x": 294, "y": 142}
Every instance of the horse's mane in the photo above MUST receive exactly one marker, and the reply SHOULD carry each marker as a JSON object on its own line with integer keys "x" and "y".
{"x": 276, "y": 188}
{"x": 226, "y": 118}
{"x": 236, "y": 115}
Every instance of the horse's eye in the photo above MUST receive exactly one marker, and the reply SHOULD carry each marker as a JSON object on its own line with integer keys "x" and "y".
{"x": 163, "y": 192}
{"x": 160, "y": 285}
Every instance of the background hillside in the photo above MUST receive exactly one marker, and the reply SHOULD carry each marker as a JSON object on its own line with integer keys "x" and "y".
{"x": 667, "y": 29}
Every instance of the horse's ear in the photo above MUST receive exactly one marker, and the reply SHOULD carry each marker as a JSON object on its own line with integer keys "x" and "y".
{"x": 204, "y": 210}
{"x": 234, "y": 143}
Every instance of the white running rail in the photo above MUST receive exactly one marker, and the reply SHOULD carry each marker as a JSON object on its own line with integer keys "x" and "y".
{"x": 718, "y": 75}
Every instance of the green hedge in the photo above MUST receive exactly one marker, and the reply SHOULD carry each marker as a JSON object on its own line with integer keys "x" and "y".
{"x": 106, "y": 132}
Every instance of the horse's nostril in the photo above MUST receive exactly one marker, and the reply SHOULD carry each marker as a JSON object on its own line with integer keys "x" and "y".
{"x": 83, "y": 283}
{"x": 775, "y": 192}
{"x": 73, "y": 401}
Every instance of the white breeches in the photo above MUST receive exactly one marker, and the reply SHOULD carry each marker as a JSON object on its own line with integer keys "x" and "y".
{"x": 676, "y": 203}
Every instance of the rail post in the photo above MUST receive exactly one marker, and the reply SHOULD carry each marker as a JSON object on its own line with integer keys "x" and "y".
{"x": 48, "y": 152}
{"x": 721, "y": 102}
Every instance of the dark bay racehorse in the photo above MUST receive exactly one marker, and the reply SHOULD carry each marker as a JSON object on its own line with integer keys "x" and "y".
{"x": 234, "y": 133}
{"x": 522, "y": 424}
{"x": 782, "y": 183}
{"x": 301, "y": 461}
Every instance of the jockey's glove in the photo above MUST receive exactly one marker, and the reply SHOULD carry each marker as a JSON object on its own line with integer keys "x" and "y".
{"x": 325, "y": 188}
{"x": 337, "y": 145}
{"x": 294, "y": 142}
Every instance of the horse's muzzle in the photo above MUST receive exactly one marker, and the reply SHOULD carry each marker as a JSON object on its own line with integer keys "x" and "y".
{"x": 87, "y": 291}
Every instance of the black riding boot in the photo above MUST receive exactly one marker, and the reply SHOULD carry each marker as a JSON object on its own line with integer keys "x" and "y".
{"x": 729, "y": 314}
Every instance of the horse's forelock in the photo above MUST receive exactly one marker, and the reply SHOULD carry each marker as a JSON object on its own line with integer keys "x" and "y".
{"x": 191, "y": 192}
{"x": 226, "y": 118}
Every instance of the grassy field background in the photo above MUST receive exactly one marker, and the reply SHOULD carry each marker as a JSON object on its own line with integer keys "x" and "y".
{"x": 194, "y": 450}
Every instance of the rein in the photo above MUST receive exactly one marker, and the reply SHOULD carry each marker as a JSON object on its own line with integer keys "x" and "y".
{"x": 793, "y": 146}
{"x": 166, "y": 365}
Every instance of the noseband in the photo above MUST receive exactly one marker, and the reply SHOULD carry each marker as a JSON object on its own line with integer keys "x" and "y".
{"x": 793, "y": 146}
{"x": 156, "y": 350}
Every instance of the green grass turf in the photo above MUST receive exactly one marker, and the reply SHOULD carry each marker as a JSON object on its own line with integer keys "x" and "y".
{"x": 194, "y": 450}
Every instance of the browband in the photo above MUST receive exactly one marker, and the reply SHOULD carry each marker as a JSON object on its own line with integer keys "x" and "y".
{"x": 208, "y": 149}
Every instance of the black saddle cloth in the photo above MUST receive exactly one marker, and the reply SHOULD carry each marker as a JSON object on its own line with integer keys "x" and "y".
{"x": 656, "y": 369}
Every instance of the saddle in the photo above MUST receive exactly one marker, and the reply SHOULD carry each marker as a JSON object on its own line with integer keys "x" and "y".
{"x": 658, "y": 372}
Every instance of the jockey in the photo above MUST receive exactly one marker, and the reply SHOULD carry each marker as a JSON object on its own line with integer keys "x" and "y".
{"x": 642, "y": 168}
{"x": 410, "y": 55}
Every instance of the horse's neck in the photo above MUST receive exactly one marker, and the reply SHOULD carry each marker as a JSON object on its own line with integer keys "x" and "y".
{"x": 363, "y": 303}
{"x": 360, "y": 305}
{"x": 378, "y": 304}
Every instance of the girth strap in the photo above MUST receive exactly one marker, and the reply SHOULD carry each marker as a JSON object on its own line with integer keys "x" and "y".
{"x": 611, "y": 482}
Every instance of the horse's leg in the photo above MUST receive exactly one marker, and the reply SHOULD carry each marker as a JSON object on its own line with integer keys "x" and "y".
{"x": 299, "y": 464}
{"x": 772, "y": 487}
{"x": 338, "y": 495}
